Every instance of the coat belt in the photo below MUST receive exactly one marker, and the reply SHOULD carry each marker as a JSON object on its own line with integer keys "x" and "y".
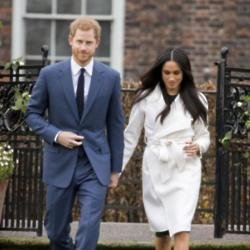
{"x": 170, "y": 149}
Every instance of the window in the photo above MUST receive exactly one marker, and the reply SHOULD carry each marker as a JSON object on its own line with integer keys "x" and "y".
{"x": 37, "y": 22}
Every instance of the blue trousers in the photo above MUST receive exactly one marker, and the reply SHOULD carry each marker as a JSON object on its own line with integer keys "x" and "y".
{"x": 59, "y": 201}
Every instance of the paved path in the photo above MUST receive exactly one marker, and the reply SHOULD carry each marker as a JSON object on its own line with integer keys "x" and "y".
{"x": 138, "y": 233}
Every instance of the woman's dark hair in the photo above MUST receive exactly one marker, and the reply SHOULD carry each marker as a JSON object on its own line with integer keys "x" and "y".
{"x": 188, "y": 91}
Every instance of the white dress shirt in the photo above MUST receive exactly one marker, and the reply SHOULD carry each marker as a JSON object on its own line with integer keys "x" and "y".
{"x": 75, "y": 69}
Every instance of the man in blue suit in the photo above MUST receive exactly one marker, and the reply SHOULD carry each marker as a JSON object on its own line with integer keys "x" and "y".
{"x": 83, "y": 136}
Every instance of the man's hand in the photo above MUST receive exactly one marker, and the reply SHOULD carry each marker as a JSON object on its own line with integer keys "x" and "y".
{"x": 69, "y": 139}
{"x": 114, "y": 180}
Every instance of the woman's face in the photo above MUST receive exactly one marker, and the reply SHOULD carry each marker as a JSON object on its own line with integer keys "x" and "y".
{"x": 172, "y": 77}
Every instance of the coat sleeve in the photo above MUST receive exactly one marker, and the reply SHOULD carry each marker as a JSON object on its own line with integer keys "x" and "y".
{"x": 115, "y": 127}
{"x": 133, "y": 131}
{"x": 35, "y": 114}
{"x": 202, "y": 136}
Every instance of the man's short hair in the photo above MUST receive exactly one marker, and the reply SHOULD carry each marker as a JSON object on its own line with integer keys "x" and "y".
{"x": 85, "y": 23}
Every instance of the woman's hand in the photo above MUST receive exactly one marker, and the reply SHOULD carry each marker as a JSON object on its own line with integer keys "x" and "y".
{"x": 191, "y": 149}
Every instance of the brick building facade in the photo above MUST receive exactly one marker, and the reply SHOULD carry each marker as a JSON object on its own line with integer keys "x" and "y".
{"x": 5, "y": 30}
{"x": 202, "y": 27}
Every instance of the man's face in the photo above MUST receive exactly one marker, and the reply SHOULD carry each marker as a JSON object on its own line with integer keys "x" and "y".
{"x": 83, "y": 46}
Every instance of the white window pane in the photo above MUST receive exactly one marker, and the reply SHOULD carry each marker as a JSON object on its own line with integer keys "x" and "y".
{"x": 104, "y": 48}
{"x": 37, "y": 34}
{"x": 69, "y": 6}
{"x": 38, "y": 6}
{"x": 97, "y": 7}
{"x": 62, "y": 32}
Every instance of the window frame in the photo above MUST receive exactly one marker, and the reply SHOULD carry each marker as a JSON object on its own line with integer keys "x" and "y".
{"x": 116, "y": 18}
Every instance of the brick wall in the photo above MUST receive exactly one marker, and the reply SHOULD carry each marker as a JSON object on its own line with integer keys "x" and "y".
{"x": 5, "y": 31}
{"x": 202, "y": 27}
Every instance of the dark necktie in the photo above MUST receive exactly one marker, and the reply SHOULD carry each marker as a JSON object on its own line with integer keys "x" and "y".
{"x": 80, "y": 93}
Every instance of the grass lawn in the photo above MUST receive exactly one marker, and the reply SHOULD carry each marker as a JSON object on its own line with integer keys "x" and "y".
{"x": 42, "y": 244}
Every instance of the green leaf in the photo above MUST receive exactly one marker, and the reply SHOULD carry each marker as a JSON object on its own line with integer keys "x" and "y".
{"x": 15, "y": 63}
{"x": 21, "y": 100}
{"x": 225, "y": 141}
{"x": 247, "y": 124}
{"x": 246, "y": 155}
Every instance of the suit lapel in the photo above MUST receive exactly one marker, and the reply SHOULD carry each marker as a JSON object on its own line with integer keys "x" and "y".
{"x": 67, "y": 84}
{"x": 95, "y": 86}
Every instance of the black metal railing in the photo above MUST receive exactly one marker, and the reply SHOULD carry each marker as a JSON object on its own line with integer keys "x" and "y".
{"x": 232, "y": 210}
{"x": 23, "y": 208}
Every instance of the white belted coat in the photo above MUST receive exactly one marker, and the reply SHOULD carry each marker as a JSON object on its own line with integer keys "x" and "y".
{"x": 170, "y": 179}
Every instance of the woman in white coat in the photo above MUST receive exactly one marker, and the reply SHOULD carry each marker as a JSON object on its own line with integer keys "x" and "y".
{"x": 173, "y": 114}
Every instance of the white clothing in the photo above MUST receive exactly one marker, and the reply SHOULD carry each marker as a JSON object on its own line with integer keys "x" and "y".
{"x": 170, "y": 179}
{"x": 75, "y": 69}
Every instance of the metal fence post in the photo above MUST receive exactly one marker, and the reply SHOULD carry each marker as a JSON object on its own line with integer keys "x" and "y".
{"x": 221, "y": 168}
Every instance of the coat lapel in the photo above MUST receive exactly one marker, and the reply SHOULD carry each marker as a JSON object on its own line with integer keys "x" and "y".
{"x": 67, "y": 84}
{"x": 95, "y": 86}
{"x": 177, "y": 119}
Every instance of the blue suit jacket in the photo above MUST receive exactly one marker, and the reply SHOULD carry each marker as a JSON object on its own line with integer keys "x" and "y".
{"x": 101, "y": 123}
